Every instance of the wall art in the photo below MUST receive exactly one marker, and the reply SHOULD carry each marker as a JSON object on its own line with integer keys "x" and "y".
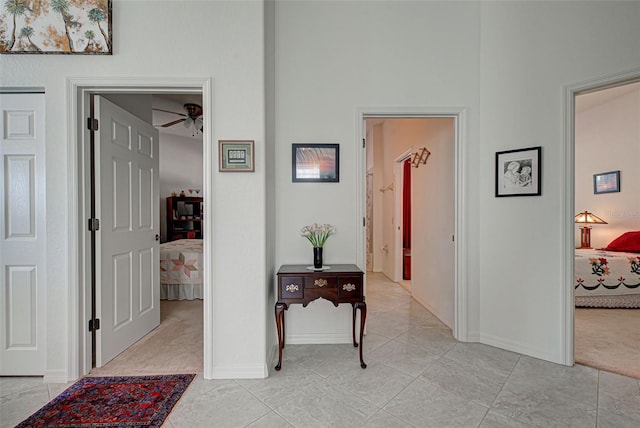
{"x": 81, "y": 27}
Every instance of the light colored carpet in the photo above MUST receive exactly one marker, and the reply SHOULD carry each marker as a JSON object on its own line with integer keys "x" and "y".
{"x": 608, "y": 339}
{"x": 174, "y": 347}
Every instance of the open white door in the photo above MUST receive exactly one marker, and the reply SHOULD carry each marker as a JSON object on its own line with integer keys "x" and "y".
{"x": 23, "y": 238}
{"x": 128, "y": 259}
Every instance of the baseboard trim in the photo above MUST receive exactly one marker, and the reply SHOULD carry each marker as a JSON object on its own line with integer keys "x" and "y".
{"x": 56, "y": 376}
{"x": 520, "y": 348}
{"x": 318, "y": 339}
{"x": 260, "y": 372}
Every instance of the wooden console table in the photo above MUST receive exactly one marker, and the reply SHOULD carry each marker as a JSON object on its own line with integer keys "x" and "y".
{"x": 338, "y": 284}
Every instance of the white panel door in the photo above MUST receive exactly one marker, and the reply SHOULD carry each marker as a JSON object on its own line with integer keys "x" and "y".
{"x": 127, "y": 200}
{"x": 23, "y": 246}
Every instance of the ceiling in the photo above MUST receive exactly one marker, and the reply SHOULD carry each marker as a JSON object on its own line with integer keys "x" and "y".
{"x": 592, "y": 99}
{"x": 174, "y": 103}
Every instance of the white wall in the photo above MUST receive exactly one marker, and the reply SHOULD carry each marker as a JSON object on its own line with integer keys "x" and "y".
{"x": 223, "y": 40}
{"x": 507, "y": 63}
{"x": 332, "y": 58}
{"x": 607, "y": 138}
{"x": 180, "y": 170}
{"x": 529, "y": 53}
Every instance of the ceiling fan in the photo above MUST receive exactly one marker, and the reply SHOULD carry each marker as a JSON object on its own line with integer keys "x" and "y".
{"x": 193, "y": 117}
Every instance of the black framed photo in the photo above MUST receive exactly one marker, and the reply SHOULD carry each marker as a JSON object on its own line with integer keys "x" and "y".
{"x": 519, "y": 172}
{"x": 606, "y": 182}
{"x": 236, "y": 155}
{"x": 315, "y": 163}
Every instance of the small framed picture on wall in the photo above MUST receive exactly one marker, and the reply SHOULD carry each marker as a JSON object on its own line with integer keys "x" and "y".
{"x": 518, "y": 172}
{"x": 606, "y": 182}
{"x": 315, "y": 163}
{"x": 236, "y": 155}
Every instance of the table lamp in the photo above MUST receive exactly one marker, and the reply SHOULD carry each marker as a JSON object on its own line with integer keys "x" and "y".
{"x": 587, "y": 218}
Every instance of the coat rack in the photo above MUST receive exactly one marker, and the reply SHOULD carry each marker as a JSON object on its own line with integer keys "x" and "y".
{"x": 420, "y": 157}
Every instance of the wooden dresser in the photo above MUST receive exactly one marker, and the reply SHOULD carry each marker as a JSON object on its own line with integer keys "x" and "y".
{"x": 338, "y": 284}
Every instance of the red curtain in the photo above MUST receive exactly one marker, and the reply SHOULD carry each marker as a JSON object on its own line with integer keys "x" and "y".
{"x": 406, "y": 205}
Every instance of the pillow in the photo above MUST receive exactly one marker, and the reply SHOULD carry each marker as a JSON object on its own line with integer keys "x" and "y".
{"x": 628, "y": 242}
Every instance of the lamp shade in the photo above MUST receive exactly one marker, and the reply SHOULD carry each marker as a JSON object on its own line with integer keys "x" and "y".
{"x": 588, "y": 218}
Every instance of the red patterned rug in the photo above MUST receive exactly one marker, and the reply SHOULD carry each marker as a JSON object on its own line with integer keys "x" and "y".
{"x": 138, "y": 401}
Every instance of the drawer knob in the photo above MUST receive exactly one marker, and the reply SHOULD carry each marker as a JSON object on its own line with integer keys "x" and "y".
{"x": 292, "y": 288}
{"x": 320, "y": 282}
{"x": 348, "y": 287}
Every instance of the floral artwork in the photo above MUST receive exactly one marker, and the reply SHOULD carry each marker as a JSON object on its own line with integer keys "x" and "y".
{"x": 55, "y": 27}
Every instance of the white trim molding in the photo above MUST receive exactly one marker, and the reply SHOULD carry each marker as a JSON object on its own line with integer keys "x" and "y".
{"x": 568, "y": 198}
{"x": 78, "y": 90}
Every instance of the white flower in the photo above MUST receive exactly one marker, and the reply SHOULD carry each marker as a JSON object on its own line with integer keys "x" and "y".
{"x": 318, "y": 234}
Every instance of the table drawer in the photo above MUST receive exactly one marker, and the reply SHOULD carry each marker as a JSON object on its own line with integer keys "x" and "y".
{"x": 349, "y": 286}
{"x": 324, "y": 282}
{"x": 291, "y": 287}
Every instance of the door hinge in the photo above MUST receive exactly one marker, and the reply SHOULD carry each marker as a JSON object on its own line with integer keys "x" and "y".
{"x": 94, "y": 224}
{"x": 363, "y": 143}
{"x": 92, "y": 124}
{"x": 94, "y": 324}
{"x": 364, "y": 221}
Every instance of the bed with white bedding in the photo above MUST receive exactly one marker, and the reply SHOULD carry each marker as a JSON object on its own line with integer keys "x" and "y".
{"x": 181, "y": 270}
{"x": 606, "y": 279}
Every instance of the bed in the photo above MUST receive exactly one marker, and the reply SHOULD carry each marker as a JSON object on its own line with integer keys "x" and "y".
{"x": 181, "y": 270}
{"x": 607, "y": 279}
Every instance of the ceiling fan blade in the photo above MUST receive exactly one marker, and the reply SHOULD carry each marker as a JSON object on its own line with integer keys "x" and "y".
{"x": 168, "y": 111}
{"x": 166, "y": 125}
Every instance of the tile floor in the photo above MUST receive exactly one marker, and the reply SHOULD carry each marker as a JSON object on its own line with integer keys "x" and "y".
{"x": 417, "y": 376}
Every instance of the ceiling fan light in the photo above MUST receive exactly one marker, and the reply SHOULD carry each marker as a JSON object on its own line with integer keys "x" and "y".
{"x": 198, "y": 123}
{"x": 187, "y": 122}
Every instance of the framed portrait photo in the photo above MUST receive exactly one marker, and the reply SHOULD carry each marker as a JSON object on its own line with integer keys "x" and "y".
{"x": 236, "y": 155}
{"x": 606, "y": 182}
{"x": 518, "y": 172}
{"x": 315, "y": 163}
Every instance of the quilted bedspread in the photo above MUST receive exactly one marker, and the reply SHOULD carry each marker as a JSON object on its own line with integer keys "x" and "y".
{"x": 181, "y": 270}
{"x": 600, "y": 273}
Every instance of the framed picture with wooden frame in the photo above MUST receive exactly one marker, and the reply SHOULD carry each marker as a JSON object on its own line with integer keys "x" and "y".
{"x": 236, "y": 155}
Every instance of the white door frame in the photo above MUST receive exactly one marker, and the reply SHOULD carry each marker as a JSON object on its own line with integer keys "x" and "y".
{"x": 78, "y": 92}
{"x": 398, "y": 208}
{"x": 568, "y": 198}
{"x": 459, "y": 114}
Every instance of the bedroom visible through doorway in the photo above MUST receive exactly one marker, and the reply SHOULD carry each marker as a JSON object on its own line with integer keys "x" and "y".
{"x": 606, "y": 293}
{"x": 176, "y": 345}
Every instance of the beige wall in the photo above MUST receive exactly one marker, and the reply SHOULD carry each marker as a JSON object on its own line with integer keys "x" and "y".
{"x": 607, "y": 138}
{"x": 432, "y": 210}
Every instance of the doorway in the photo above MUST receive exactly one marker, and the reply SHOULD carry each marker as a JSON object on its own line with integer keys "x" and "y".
{"x": 80, "y": 91}
{"x": 173, "y": 344}
{"x": 432, "y": 218}
{"x": 569, "y": 195}
{"x": 606, "y": 319}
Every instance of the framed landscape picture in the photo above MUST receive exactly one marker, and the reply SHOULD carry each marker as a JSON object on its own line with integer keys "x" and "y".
{"x": 606, "y": 182}
{"x": 518, "y": 172}
{"x": 81, "y": 27}
{"x": 315, "y": 163}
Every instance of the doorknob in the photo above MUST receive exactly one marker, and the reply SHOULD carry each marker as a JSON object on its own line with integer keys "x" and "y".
{"x": 157, "y": 237}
